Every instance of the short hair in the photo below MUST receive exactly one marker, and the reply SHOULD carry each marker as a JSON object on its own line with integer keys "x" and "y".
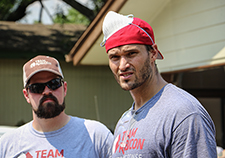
{"x": 149, "y": 48}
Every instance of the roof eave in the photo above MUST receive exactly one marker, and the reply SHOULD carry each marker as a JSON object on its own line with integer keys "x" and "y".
{"x": 92, "y": 32}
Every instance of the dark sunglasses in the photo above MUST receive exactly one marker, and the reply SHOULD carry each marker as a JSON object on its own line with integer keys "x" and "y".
{"x": 40, "y": 87}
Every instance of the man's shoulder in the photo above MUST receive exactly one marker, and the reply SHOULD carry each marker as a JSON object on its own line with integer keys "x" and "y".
{"x": 172, "y": 92}
{"x": 93, "y": 127}
{"x": 89, "y": 123}
{"x": 14, "y": 134}
{"x": 94, "y": 124}
{"x": 6, "y": 129}
{"x": 177, "y": 101}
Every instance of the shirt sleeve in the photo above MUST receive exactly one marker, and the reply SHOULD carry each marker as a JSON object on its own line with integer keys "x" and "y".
{"x": 101, "y": 136}
{"x": 193, "y": 137}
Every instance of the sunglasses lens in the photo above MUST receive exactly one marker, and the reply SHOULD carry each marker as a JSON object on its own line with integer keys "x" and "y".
{"x": 40, "y": 87}
{"x": 36, "y": 88}
{"x": 54, "y": 84}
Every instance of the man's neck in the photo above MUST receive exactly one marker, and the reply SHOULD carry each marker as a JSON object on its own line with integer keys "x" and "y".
{"x": 146, "y": 91}
{"x": 51, "y": 124}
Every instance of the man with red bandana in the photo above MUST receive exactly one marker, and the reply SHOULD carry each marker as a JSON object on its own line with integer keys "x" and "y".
{"x": 164, "y": 121}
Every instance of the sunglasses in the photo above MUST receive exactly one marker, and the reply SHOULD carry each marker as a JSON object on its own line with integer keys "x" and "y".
{"x": 40, "y": 87}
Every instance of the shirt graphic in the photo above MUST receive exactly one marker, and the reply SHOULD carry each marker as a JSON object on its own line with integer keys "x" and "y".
{"x": 51, "y": 153}
{"x": 130, "y": 140}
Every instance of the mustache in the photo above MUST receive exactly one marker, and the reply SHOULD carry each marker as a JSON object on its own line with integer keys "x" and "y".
{"x": 127, "y": 69}
{"x": 50, "y": 96}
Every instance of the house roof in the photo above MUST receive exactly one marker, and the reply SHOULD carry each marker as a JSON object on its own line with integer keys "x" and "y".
{"x": 174, "y": 25}
{"x": 25, "y": 41}
{"x": 92, "y": 33}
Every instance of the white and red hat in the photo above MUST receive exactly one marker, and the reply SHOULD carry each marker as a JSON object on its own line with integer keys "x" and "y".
{"x": 121, "y": 30}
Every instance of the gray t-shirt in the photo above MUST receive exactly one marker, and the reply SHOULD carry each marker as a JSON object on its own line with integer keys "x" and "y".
{"x": 172, "y": 124}
{"x": 78, "y": 138}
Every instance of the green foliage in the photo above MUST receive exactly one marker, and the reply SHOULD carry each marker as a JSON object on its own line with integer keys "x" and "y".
{"x": 98, "y": 5}
{"x": 5, "y": 7}
{"x": 73, "y": 16}
{"x": 14, "y": 10}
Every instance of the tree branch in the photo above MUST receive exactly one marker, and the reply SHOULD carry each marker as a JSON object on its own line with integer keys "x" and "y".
{"x": 20, "y": 12}
{"x": 41, "y": 11}
{"x": 82, "y": 9}
{"x": 43, "y": 7}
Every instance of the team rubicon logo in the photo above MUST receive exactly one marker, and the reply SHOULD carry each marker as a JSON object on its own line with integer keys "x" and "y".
{"x": 52, "y": 153}
{"x": 39, "y": 62}
{"x": 127, "y": 141}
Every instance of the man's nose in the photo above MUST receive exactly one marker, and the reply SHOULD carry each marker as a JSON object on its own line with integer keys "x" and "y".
{"x": 124, "y": 64}
{"x": 47, "y": 90}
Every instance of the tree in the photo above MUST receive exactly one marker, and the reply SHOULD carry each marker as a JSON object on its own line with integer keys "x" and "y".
{"x": 73, "y": 16}
{"x": 14, "y": 10}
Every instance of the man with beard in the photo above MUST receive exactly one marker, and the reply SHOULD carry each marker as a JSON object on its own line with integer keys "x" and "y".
{"x": 164, "y": 120}
{"x": 53, "y": 133}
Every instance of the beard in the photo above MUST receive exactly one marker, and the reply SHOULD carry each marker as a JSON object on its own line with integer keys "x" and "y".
{"x": 49, "y": 109}
{"x": 145, "y": 74}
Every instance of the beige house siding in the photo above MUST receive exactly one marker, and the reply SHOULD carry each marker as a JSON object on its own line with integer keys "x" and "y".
{"x": 90, "y": 88}
{"x": 13, "y": 107}
{"x": 190, "y": 33}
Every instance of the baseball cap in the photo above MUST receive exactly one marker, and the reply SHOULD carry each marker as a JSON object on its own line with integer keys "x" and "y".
{"x": 38, "y": 64}
{"x": 121, "y": 30}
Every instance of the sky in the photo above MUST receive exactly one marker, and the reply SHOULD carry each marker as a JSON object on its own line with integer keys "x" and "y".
{"x": 51, "y": 5}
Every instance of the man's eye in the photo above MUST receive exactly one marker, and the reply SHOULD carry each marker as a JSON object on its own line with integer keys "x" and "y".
{"x": 132, "y": 53}
{"x": 114, "y": 57}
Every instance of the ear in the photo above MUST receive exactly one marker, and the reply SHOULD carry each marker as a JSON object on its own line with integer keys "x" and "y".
{"x": 65, "y": 88}
{"x": 25, "y": 93}
{"x": 154, "y": 52}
